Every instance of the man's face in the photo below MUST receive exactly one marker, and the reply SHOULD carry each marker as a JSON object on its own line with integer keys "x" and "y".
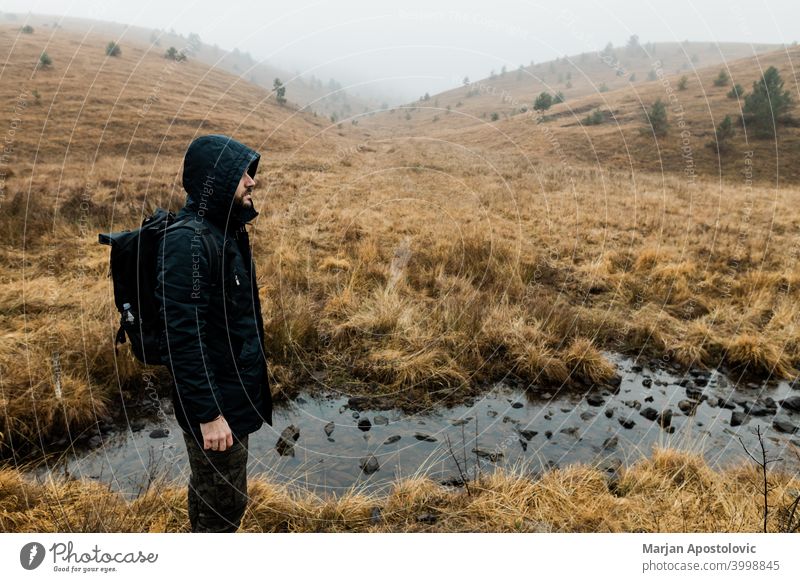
{"x": 243, "y": 196}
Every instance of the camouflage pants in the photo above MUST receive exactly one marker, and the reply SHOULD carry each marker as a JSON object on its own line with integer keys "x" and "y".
{"x": 217, "y": 486}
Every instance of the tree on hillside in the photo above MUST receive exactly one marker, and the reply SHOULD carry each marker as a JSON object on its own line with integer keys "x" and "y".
{"x": 174, "y": 54}
{"x": 725, "y": 131}
{"x": 683, "y": 83}
{"x": 736, "y": 91}
{"x": 543, "y": 101}
{"x": 280, "y": 91}
{"x": 45, "y": 61}
{"x": 466, "y": 81}
{"x": 633, "y": 47}
{"x": 559, "y": 98}
{"x": 657, "y": 118}
{"x": 113, "y": 49}
{"x": 722, "y": 79}
{"x": 767, "y": 104}
{"x": 27, "y": 29}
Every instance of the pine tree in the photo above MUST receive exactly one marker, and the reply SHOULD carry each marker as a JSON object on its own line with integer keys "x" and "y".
{"x": 657, "y": 117}
{"x": 280, "y": 91}
{"x": 543, "y": 101}
{"x": 768, "y": 102}
{"x": 725, "y": 132}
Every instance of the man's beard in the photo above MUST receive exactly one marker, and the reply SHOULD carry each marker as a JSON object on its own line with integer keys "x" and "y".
{"x": 240, "y": 202}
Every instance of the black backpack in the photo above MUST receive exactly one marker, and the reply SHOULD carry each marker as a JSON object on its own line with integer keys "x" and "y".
{"x": 133, "y": 269}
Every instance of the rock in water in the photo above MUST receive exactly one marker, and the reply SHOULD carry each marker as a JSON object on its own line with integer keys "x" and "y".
{"x": 595, "y": 400}
{"x": 424, "y": 437}
{"x": 329, "y": 428}
{"x": 738, "y": 418}
{"x": 493, "y": 456}
{"x": 649, "y": 413}
{"x": 610, "y": 442}
{"x": 291, "y": 433}
{"x": 392, "y": 439}
{"x": 792, "y": 403}
{"x": 285, "y": 444}
{"x": 364, "y": 424}
{"x": 369, "y": 464}
{"x": 159, "y": 433}
{"x": 784, "y": 426}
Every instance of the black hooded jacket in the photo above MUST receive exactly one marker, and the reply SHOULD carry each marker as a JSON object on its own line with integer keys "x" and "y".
{"x": 213, "y": 342}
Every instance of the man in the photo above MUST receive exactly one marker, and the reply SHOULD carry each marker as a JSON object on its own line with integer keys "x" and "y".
{"x": 213, "y": 338}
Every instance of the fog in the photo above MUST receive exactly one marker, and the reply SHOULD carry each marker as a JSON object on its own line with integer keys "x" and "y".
{"x": 400, "y": 50}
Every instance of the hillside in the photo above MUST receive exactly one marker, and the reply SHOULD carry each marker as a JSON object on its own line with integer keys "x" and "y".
{"x": 507, "y": 93}
{"x": 621, "y": 137}
{"x": 417, "y": 263}
{"x": 311, "y": 93}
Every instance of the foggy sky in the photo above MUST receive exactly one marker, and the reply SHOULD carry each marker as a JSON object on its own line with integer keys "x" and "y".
{"x": 407, "y": 47}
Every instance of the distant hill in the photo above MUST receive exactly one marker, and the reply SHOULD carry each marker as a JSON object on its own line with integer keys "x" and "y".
{"x": 326, "y": 98}
{"x": 87, "y": 104}
{"x": 609, "y": 127}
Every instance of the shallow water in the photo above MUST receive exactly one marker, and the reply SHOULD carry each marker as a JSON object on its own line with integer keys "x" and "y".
{"x": 567, "y": 429}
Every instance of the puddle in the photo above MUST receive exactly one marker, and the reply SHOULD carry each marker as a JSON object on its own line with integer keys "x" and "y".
{"x": 533, "y": 430}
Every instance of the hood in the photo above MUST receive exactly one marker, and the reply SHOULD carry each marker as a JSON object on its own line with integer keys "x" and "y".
{"x": 212, "y": 168}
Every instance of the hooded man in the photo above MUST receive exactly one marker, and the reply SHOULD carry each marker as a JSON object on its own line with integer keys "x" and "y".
{"x": 213, "y": 341}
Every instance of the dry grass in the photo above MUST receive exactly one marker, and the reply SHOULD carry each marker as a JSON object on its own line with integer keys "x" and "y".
{"x": 423, "y": 265}
{"x": 674, "y": 491}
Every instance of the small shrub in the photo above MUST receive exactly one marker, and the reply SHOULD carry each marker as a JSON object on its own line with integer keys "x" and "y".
{"x": 543, "y": 102}
{"x": 722, "y": 79}
{"x": 594, "y": 118}
{"x": 174, "y": 54}
{"x": 45, "y": 61}
{"x": 280, "y": 91}
{"x": 736, "y": 91}
{"x": 725, "y": 132}
{"x": 683, "y": 83}
{"x": 657, "y": 118}
{"x": 113, "y": 49}
{"x": 27, "y": 29}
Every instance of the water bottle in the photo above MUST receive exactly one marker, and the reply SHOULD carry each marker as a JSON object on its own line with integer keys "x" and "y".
{"x": 127, "y": 315}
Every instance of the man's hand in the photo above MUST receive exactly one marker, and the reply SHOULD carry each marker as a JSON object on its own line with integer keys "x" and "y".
{"x": 217, "y": 434}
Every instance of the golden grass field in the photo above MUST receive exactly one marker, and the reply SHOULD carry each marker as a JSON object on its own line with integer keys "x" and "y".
{"x": 410, "y": 258}
{"x": 671, "y": 492}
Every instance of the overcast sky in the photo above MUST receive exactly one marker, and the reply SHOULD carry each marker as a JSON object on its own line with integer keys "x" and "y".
{"x": 412, "y": 46}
